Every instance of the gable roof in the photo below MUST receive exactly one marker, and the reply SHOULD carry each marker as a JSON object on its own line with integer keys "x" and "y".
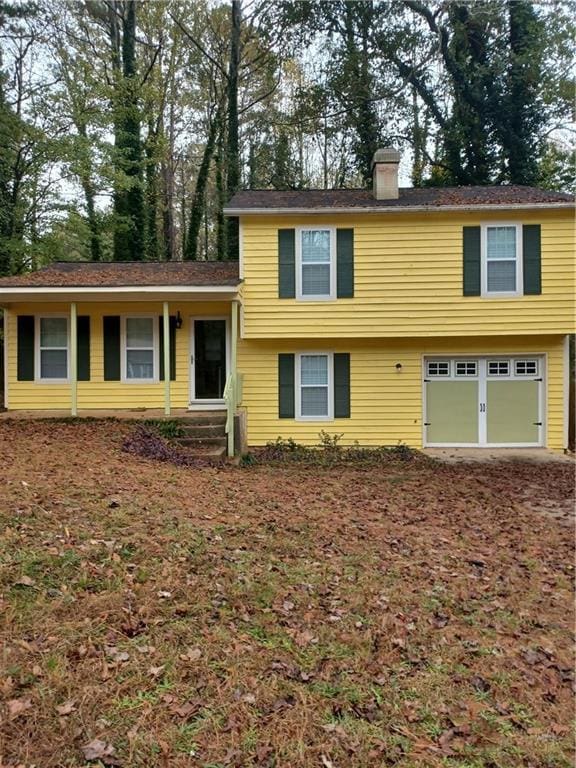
{"x": 410, "y": 199}
{"x": 89, "y": 274}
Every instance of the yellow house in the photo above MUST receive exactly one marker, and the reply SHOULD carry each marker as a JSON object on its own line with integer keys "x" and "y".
{"x": 432, "y": 317}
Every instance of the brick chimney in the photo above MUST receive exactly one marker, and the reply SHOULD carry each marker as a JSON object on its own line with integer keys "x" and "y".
{"x": 385, "y": 173}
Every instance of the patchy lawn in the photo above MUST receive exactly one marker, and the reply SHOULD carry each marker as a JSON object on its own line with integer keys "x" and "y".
{"x": 409, "y": 614}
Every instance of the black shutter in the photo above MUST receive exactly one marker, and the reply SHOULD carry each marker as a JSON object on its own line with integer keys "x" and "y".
{"x": 341, "y": 385}
{"x": 25, "y": 351}
{"x": 531, "y": 254}
{"x": 83, "y": 333}
{"x": 111, "y": 348}
{"x": 286, "y": 407}
{"x": 471, "y": 260}
{"x": 345, "y": 263}
{"x": 172, "y": 347}
{"x": 286, "y": 263}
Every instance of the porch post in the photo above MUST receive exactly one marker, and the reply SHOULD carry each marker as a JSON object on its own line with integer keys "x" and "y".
{"x": 166, "y": 333}
{"x": 234, "y": 378}
{"x": 73, "y": 359}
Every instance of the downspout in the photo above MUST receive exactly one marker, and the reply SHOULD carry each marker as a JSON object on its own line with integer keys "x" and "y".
{"x": 73, "y": 359}
{"x": 166, "y": 334}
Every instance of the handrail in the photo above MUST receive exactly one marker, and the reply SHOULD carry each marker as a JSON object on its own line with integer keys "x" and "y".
{"x": 232, "y": 397}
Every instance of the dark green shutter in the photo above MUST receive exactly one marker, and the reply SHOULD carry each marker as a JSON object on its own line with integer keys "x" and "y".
{"x": 111, "y": 348}
{"x": 83, "y": 332}
{"x": 471, "y": 261}
{"x": 345, "y": 263}
{"x": 286, "y": 407}
{"x": 286, "y": 263}
{"x": 172, "y": 347}
{"x": 25, "y": 351}
{"x": 531, "y": 267}
{"x": 341, "y": 385}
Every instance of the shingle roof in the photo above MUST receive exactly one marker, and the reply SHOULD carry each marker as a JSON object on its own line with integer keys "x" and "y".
{"x": 83, "y": 274}
{"x": 409, "y": 197}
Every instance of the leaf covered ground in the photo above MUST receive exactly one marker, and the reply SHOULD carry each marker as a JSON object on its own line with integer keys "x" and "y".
{"x": 406, "y": 614}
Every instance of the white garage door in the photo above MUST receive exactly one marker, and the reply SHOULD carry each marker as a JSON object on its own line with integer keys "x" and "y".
{"x": 483, "y": 401}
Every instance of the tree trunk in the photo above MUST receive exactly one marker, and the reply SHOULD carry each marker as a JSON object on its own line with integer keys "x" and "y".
{"x": 233, "y": 141}
{"x": 199, "y": 199}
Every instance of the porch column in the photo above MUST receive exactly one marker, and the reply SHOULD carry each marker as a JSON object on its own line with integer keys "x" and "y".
{"x": 73, "y": 359}
{"x": 233, "y": 373}
{"x": 166, "y": 333}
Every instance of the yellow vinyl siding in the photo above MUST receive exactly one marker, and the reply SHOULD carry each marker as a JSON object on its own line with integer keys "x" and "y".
{"x": 97, "y": 393}
{"x": 408, "y": 280}
{"x": 386, "y": 404}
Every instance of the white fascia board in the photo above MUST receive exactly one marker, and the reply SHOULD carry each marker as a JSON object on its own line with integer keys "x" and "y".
{"x": 398, "y": 209}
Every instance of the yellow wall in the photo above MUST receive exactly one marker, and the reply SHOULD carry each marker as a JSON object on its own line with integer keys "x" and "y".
{"x": 386, "y": 405}
{"x": 408, "y": 280}
{"x": 97, "y": 393}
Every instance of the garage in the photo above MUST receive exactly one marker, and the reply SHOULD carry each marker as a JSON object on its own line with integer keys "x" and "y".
{"x": 484, "y": 401}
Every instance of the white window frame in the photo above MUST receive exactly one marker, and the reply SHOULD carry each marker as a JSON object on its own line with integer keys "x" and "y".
{"x": 438, "y": 375}
{"x": 297, "y": 385}
{"x": 320, "y": 297}
{"x": 156, "y": 349}
{"x": 526, "y": 360}
{"x": 484, "y": 260}
{"x": 498, "y": 360}
{"x": 38, "y": 348}
{"x": 465, "y": 375}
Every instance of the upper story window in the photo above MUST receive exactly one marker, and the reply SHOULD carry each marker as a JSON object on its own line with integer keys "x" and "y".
{"x": 501, "y": 260}
{"x": 140, "y": 342}
{"x": 315, "y": 263}
{"x": 52, "y": 348}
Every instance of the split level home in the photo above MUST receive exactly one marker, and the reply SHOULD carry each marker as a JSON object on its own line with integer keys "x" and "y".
{"x": 430, "y": 317}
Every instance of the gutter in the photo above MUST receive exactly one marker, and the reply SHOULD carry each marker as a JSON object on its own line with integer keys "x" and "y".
{"x": 11, "y": 290}
{"x": 400, "y": 209}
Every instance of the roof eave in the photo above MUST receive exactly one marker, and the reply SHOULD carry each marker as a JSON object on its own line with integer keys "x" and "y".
{"x": 400, "y": 209}
{"x": 10, "y": 294}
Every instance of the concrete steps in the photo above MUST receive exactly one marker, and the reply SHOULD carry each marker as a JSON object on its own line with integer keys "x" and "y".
{"x": 204, "y": 435}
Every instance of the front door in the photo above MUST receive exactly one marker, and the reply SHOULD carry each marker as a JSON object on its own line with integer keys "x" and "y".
{"x": 208, "y": 359}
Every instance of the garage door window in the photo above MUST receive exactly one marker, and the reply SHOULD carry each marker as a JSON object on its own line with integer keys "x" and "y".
{"x": 498, "y": 368}
{"x": 526, "y": 368}
{"x": 438, "y": 368}
{"x": 466, "y": 368}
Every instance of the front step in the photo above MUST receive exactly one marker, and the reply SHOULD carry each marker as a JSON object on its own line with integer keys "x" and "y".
{"x": 203, "y": 435}
{"x": 191, "y": 442}
{"x": 203, "y": 431}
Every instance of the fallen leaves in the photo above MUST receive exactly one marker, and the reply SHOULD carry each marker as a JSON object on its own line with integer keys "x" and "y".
{"x": 97, "y": 749}
{"x": 17, "y": 707}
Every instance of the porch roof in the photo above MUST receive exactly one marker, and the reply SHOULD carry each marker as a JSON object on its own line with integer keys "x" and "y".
{"x": 135, "y": 281}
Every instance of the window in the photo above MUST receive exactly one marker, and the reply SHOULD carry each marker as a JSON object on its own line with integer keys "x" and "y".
{"x": 466, "y": 368}
{"x": 526, "y": 368}
{"x": 314, "y": 389}
{"x": 498, "y": 368}
{"x": 501, "y": 263}
{"x": 140, "y": 343}
{"x": 316, "y": 271}
{"x": 53, "y": 348}
{"x": 438, "y": 368}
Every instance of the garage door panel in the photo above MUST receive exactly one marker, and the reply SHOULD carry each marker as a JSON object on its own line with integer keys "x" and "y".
{"x": 452, "y": 412}
{"x": 512, "y": 411}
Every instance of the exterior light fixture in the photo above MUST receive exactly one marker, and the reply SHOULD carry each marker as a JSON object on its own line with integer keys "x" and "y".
{"x": 178, "y": 320}
{"x": 398, "y": 366}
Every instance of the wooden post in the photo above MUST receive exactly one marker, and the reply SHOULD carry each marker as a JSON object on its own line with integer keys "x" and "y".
{"x": 166, "y": 333}
{"x": 73, "y": 359}
{"x": 233, "y": 374}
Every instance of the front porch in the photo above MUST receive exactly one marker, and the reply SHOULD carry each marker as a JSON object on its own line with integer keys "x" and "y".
{"x": 134, "y": 360}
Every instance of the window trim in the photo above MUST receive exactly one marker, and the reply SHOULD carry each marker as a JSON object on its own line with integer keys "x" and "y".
{"x": 319, "y": 297}
{"x": 526, "y": 360}
{"x": 484, "y": 292}
{"x": 438, "y": 375}
{"x": 498, "y": 360}
{"x": 297, "y": 386}
{"x": 155, "y": 348}
{"x": 38, "y": 378}
{"x": 466, "y": 375}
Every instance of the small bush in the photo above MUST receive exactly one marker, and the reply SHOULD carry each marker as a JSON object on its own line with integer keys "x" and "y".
{"x": 328, "y": 453}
